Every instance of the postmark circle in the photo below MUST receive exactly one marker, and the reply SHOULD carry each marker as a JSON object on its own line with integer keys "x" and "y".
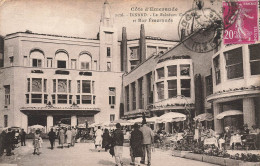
{"x": 202, "y": 28}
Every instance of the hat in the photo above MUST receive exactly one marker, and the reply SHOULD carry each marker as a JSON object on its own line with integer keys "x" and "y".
{"x": 118, "y": 125}
{"x": 136, "y": 126}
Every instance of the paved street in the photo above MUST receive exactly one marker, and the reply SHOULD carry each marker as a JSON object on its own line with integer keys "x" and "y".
{"x": 84, "y": 154}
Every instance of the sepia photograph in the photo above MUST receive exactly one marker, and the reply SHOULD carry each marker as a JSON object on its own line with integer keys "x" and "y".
{"x": 129, "y": 82}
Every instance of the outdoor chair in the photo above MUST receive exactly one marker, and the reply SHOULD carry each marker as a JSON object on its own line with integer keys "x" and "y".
{"x": 250, "y": 141}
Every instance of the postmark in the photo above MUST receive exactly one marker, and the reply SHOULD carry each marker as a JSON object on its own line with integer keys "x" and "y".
{"x": 240, "y": 22}
{"x": 204, "y": 26}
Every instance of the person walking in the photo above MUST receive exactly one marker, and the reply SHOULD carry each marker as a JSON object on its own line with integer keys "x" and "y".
{"x": 37, "y": 142}
{"x": 22, "y": 135}
{"x": 52, "y": 137}
{"x": 106, "y": 140}
{"x": 117, "y": 141}
{"x": 74, "y": 133}
{"x": 61, "y": 137}
{"x": 9, "y": 138}
{"x": 148, "y": 139}
{"x": 69, "y": 136}
{"x": 98, "y": 140}
{"x": 136, "y": 142}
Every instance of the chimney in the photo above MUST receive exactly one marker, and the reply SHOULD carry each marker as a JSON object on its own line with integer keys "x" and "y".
{"x": 124, "y": 50}
{"x": 142, "y": 44}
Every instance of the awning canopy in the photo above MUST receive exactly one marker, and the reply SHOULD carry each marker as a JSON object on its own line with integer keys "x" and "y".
{"x": 204, "y": 117}
{"x": 229, "y": 113}
{"x": 172, "y": 117}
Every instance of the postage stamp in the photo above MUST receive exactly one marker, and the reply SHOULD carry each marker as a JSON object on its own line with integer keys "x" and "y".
{"x": 240, "y": 22}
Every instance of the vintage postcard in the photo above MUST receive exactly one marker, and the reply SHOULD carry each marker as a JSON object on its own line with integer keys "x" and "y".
{"x": 129, "y": 82}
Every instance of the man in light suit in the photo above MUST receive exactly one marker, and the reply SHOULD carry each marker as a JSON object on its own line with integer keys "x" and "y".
{"x": 148, "y": 140}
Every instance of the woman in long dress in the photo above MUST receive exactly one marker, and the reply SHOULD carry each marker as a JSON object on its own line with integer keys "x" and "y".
{"x": 106, "y": 140}
{"x": 69, "y": 136}
{"x": 62, "y": 137}
{"x": 37, "y": 142}
{"x": 98, "y": 140}
{"x": 136, "y": 144}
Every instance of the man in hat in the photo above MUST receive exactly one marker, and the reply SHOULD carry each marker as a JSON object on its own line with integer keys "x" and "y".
{"x": 148, "y": 140}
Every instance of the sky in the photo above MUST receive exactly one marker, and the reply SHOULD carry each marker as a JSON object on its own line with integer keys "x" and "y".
{"x": 81, "y": 18}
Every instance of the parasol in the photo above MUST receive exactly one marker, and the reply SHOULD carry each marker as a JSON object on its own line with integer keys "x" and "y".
{"x": 229, "y": 113}
{"x": 172, "y": 117}
{"x": 204, "y": 117}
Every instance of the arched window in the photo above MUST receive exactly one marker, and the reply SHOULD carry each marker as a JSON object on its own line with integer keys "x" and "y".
{"x": 37, "y": 58}
{"x": 85, "y": 60}
{"x": 62, "y": 58}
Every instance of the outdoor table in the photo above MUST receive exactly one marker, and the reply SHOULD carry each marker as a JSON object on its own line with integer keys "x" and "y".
{"x": 211, "y": 141}
{"x": 235, "y": 139}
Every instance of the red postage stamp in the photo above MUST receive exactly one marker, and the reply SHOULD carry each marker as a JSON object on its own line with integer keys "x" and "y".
{"x": 240, "y": 22}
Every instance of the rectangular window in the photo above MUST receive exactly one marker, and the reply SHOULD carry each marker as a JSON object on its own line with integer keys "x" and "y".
{"x": 28, "y": 84}
{"x": 27, "y": 99}
{"x": 62, "y": 99}
{"x": 85, "y": 65}
{"x": 61, "y": 64}
{"x": 254, "y": 59}
{"x": 112, "y": 96}
{"x": 5, "y": 120}
{"x": 36, "y": 85}
{"x": 86, "y": 86}
{"x": 234, "y": 63}
{"x": 185, "y": 87}
{"x": 217, "y": 69}
{"x": 45, "y": 99}
{"x": 94, "y": 99}
{"x": 134, "y": 96}
{"x": 160, "y": 90}
{"x": 11, "y": 58}
{"x": 53, "y": 99}
{"x": 151, "y": 50}
{"x": 73, "y": 63}
{"x": 108, "y": 52}
{"x": 127, "y": 98}
{"x": 69, "y": 86}
{"x": 172, "y": 70}
{"x": 184, "y": 70}
{"x": 62, "y": 85}
{"x": 133, "y": 64}
{"x": 134, "y": 53}
{"x": 86, "y": 99}
{"x": 36, "y": 62}
{"x": 54, "y": 86}
{"x": 112, "y": 117}
{"x": 36, "y": 98}
{"x": 209, "y": 85}
{"x": 172, "y": 88}
{"x": 162, "y": 50}
{"x": 78, "y": 86}
{"x": 25, "y": 61}
{"x": 7, "y": 94}
{"x": 45, "y": 85}
{"x": 93, "y": 87}
{"x": 108, "y": 66}
{"x": 49, "y": 62}
{"x": 95, "y": 65}
{"x": 78, "y": 99}
{"x": 160, "y": 73}
{"x": 70, "y": 99}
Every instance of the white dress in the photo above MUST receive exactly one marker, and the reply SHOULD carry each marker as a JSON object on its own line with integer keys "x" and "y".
{"x": 98, "y": 140}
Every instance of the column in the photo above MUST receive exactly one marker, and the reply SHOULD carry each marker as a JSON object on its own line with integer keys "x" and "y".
{"x": 137, "y": 94}
{"x": 217, "y": 108}
{"x": 49, "y": 122}
{"x": 167, "y": 124}
{"x": 145, "y": 91}
{"x": 249, "y": 111}
{"x": 73, "y": 121}
{"x": 25, "y": 122}
{"x": 130, "y": 97}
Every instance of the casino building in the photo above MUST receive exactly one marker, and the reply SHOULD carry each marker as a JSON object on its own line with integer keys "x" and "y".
{"x": 48, "y": 79}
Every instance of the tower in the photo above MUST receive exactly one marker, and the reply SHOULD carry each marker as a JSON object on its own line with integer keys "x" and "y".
{"x": 109, "y": 57}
